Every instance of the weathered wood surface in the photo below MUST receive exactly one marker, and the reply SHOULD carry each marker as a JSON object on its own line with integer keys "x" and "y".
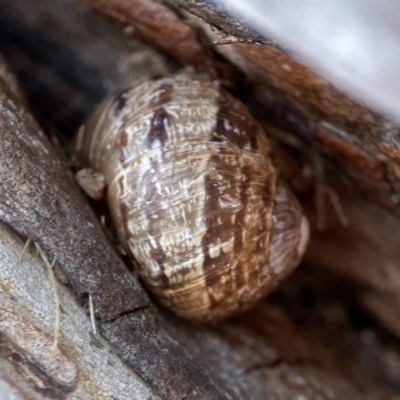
{"x": 362, "y": 144}
{"x": 260, "y": 355}
{"x": 347, "y": 138}
{"x": 55, "y": 51}
{"x": 354, "y": 45}
{"x": 257, "y": 356}
{"x": 367, "y": 251}
{"x": 40, "y": 199}
{"x": 84, "y": 364}
{"x": 327, "y": 309}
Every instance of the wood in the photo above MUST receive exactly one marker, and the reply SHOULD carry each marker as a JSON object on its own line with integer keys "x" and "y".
{"x": 256, "y": 356}
{"x": 325, "y": 119}
{"x": 42, "y": 202}
{"x": 84, "y": 364}
{"x": 43, "y": 41}
{"x": 354, "y": 46}
{"x": 160, "y": 26}
{"x": 366, "y": 252}
{"x": 363, "y": 144}
{"x": 234, "y": 29}
{"x": 349, "y": 140}
{"x": 261, "y": 355}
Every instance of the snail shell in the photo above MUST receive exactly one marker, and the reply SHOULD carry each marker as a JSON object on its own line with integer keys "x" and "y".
{"x": 193, "y": 192}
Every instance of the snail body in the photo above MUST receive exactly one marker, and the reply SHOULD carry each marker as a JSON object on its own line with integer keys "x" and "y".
{"x": 194, "y": 195}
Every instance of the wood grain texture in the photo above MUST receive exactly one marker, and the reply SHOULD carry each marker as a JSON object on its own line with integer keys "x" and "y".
{"x": 160, "y": 26}
{"x": 231, "y": 361}
{"x": 41, "y": 42}
{"x": 261, "y": 355}
{"x": 40, "y": 200}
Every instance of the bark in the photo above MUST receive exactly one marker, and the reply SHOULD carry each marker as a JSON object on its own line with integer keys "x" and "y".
{"x": 361, "y": 143}
{"x": 234, "y": 29}
{"x": 327, "y": 308}
{"x": 84, "y": 365}
{"x": 67, "y": 59}
{"x": 260, "y": 355}
{"x": 366, "y": 252}
{"x": 160, "y": 26}
{"x": 349, "y": 140}
{"x": 354, "y": 46}
{"x": 42, "y": 202}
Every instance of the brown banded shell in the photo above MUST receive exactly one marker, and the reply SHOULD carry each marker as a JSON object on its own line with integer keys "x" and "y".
{"x": 194, "y": 195}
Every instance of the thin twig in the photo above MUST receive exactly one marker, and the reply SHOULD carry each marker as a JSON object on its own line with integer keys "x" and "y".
{"x": 56, "y": 299}
{"x": 24, "y": 250}
{"x": 92, "y": 314}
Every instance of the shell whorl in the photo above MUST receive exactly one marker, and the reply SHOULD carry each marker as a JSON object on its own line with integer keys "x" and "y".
{"x": 194, "y": 194}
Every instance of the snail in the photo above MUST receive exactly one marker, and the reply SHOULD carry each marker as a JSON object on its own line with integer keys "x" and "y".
{"x": 194, "y": 194}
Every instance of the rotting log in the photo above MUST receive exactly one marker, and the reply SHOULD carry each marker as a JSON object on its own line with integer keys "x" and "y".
{"x": 82, "y": 366}
{"x": 367, "y": 252}
{"x": 68, "y": 58}
{"x": 327, "y": 308}
{"x": 258, "y": 355}
{"x": 347, "y": 139}
{"x": 40, "y": 200}
{"x": 362, "y": 143}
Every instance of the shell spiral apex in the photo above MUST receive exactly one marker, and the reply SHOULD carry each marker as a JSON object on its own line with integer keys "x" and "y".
{"x": 194, "y": 195}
